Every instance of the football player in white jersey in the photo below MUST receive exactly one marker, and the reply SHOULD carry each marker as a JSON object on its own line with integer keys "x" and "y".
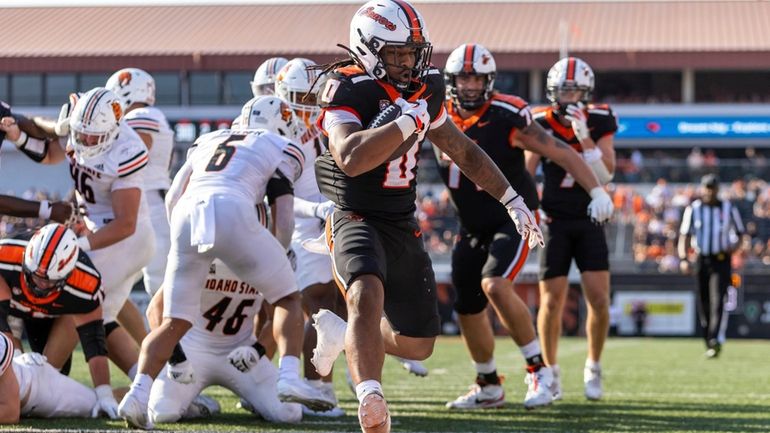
{"x": 225, "y": 324}
{"x": 264, "y": 81}
{"x": 107, "y": 159}
{"x": 294, "y": 85}
{"x": 264, "y": 76}
{"x": 136, "y": 89}
{"x": 31, "y": 387}
{"x": 212, "y": 214}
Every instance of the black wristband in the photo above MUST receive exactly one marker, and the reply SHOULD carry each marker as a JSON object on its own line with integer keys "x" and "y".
{"x": 259, "y": 348}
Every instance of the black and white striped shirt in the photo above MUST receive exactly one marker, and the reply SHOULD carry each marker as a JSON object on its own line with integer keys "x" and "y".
{"x": 715, "y": 228}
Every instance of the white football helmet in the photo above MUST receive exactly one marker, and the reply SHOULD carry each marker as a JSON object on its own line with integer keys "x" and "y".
{"x": 132, "y": 85}
{"x": 271, "y": 113}
{"x": 95, "y": 122}
{"x": 49, "y": 258}
{"x": 264, "y": 77}
{"x": 568, "y": 75}
{"x": 470, "y": 59}
{"x": 389, "y": 22}
{"x": 293, "y": 84}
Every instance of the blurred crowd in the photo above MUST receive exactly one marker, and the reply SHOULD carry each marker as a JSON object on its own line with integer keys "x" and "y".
{"x": 656, "y": 216}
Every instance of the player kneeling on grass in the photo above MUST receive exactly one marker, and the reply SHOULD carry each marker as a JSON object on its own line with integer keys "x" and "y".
{"x": 223, "y": 330}
{"x": 30, "y": 387}
{"x": 44, "y": 276}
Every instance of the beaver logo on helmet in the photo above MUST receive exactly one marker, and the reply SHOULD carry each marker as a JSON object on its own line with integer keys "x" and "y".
{"x": 124, "y": 79}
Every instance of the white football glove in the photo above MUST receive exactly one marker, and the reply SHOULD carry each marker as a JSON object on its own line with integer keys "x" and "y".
{"x": 418, "y": 111}
{"x": 181, "y": 372}
{"x": 32, "y": 358}
{"x": 323, "y": 210}
{"x": 526, "y": 224}
{"x": 601, "y": 207}
{"x": 577, "y": 115}
{"x": 105, "y": 402}
{"x": 243, "y": 358}
{"x": 62, "y": 127}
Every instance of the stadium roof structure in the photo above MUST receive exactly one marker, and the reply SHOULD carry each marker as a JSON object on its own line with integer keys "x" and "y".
{"x": 618, "y": 35}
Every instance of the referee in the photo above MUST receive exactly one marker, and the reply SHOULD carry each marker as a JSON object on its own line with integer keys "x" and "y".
{"x": 714, "y": 226}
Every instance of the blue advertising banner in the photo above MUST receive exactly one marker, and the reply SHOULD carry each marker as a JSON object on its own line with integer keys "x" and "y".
{"x": 687, "y": 127}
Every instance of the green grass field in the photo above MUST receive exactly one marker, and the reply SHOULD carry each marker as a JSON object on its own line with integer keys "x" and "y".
{"x": 651, "y": 385}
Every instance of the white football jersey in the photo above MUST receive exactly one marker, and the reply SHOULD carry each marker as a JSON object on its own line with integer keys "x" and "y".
{"x": 306, "y": 186}
{"x": 240, "y": 163}
{"x": 121, "y": 167}
{"x": 228, "y": 307}
{"x": 152, "y": 121}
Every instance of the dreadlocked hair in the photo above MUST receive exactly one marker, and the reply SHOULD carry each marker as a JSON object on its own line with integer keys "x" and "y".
{"x": 339, "y": 63}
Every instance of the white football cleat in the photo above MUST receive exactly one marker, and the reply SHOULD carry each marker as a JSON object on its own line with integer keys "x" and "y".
{"x": 326, "y": 389}
{"x": 296, "y": 390}
{"x": 480, "y": 396}
{"x": 556, "y": 384}
{"x": 202, "y": 406}
{"x": 538, "y": 387}
{"x": 330, "y": 330}
{"x": 417, "y": 368}
{"x": 592, "y": 378}
{"x": 134, "y": 412}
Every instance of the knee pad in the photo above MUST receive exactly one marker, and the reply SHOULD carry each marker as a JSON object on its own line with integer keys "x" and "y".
{"x": 109, "y": 327}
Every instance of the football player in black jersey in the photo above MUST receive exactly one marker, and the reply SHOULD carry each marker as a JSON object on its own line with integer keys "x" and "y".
{"x": 489, "y": 253}
{"x": 377, "y": 250}
{"x": 590, "y": 129}
{"x": 48, "y": 276}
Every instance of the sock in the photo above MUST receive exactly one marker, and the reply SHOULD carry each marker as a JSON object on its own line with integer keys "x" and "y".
{"x": 132, "y": 371}
{"x": 593, "y": 365}
{"x": 485, "y": 367}
{"x": 486, "y": 373}
{"x": 141, "y": 387}
{"x": 367, "y": 387}
{"x": 288, "y": 366}
{"x": 532, "y": 354}
{"x": 177, "y": 356}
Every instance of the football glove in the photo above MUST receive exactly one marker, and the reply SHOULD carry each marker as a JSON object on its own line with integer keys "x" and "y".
{"x": 525, "y": 222}
{"x": 105, "y": 402}
{"x": 243, "y": 358}
{"x": 418, "y": 111}
{"x": 181, "y": 372}
{"x": 601, "y": 207}
{"x": 62, "y": 127}
{"x": 577, "y": 115}
{"x": 323, "y": 210}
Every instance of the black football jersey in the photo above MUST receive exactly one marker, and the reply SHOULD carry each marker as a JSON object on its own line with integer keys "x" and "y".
{"x": 388, "y": 191}
{"x": 563, "y": 197}
{"x": 493, "y": 127}
{"x": 81, "y": 294}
